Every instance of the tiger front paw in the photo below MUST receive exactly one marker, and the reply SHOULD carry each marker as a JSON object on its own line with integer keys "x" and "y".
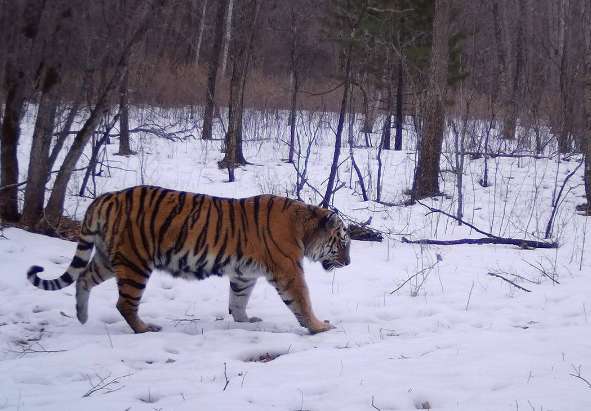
{"x": 320, "y": 326}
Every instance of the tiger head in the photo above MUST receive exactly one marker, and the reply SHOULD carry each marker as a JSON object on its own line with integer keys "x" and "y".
{"x": 332, "y": 243}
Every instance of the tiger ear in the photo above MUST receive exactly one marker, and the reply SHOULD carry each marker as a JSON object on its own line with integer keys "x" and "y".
{"x": 331, "y": 221}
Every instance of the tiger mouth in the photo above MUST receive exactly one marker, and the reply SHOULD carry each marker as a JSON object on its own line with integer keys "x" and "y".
{"x": 328, "y": 265}
{"x": 331, "y": 265}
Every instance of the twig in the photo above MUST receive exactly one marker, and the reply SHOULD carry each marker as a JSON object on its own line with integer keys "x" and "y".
{"x": 373, "y": 405}
{"x": 469, "y": 296}
{"x": 509, "y": 281}
{"x": 542, "y": 271}
{"x": 226, "y": 377}
{"x": 415, "y": 275}
{"x": 104, "y": 383}
{"x": 436, "y": 210}
{"x": 577, "y": 374}
{"x": 557, "y": 202}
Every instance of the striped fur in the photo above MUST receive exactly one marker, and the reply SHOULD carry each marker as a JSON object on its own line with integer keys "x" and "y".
{"x": 193, "y": 236}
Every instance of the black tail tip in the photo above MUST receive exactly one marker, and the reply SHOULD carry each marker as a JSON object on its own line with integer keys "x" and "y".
{"x": 34, "y": 270}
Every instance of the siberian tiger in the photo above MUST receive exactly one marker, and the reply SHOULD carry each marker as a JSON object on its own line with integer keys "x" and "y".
{"x": 193, "y": 236}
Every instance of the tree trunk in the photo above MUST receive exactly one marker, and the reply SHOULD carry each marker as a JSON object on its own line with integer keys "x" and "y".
{"x": 507, "y": 109}
{"x": 292, "y": 117}
{"x": 294, "y": 82}
{"x": 587, "y": 104}
{"x": 65, "y": 131}
{"x": 214, "y": 62}
{"x": 200, "y": 32}
{"x": 234, "y": 155}
{"x": 38, "y": 171}
{"x": 55, "y": 204}
{"x": 337, "y": 145}
{"x": 399, "y": 102}
{"x": 564, "y": 126}
{"x": 426, "y": 179}
{"x": 124, "y": 146}
{"x": 17, "y": 76}
{"x": 227, "y": 35}
{"x": 13, "y": 109}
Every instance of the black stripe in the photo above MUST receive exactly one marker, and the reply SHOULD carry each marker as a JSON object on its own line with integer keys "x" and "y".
{"x": 232, "y": 221}
{"x": 237, "y": 288}
{"x": 286, "y": 204}
{"x": 203, "y": 233}
{"x": 243, "y": 215}
{"x": 84, "y": 245}
{"x": 219, "y": 208}
{"x": 131, "y": 283}
{"x": 129, "y": 264}
{"x": 78, "y": 262}
{"x": 67, "y": 278}
{"x": 129, "y": 297}
{"x": 257, "y": 201}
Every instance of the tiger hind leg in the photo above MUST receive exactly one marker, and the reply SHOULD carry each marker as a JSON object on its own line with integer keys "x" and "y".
{"x": 240, "y": 291}
{"x": 96, "y": 272}
{"x": 131, "y": 284}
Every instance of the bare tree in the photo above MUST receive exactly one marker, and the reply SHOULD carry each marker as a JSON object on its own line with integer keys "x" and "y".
{"x": 200, "y": 31}
{"x": 504, "y": 70}
{"x": 227, "y": 35}
{"x": 426, "y": 178}
{"x": 55, "y": 204}
{"x": 17, "y": 76}
{"x": 243, "y": 50}
{"x": 124, "y": 144}
{"x": 212, "y": 73}
{"x": 587, "y": 103}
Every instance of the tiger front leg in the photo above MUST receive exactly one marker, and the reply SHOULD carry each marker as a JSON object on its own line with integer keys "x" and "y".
{"x": 240, "y": 291}
{"x": 294, "y": 292}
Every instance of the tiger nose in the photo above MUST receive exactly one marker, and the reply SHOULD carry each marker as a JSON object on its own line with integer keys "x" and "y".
{"x": 347, "y": 260}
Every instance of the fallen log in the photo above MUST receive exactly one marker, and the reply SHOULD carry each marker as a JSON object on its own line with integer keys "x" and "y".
{"x": 364, "y": 233}
{"x": 525, "y": 244}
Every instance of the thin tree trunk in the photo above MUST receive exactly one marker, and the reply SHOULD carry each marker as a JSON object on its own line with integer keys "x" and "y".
{"x": 124, "y": 144}
{"x": 55, "y": 204}
{"x": 16, "y": 82}
{"x": 294, "y": 82}
{"x": 399, "y": 102}
{"x": 565, "y": 98}
{"x": 508, "y": 117}
{"x": 587, "y": 105}
{"x": 292, "y": 118}
{"x": 234, "y": 154}
{"x": 214, "y": 62}
{"x": 337, "y": 146}
{"x": 65, "y": 131}
{"x": 13, "y": 109}
{"x": 426, "y": 179}
{"x": 37, "y": 175}
{"x": 200, "y": 32}
{"x": 227, "y": 35}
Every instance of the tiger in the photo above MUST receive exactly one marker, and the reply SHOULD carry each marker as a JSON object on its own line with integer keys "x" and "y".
{"x": 193, "y": 236}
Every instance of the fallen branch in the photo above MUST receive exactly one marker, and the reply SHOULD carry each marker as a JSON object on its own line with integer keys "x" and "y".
{"x": 509, "y": 281}
{"x": 490, "y": 240}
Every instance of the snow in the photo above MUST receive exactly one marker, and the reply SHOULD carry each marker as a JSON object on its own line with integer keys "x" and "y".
{"x": 452, "y": 338}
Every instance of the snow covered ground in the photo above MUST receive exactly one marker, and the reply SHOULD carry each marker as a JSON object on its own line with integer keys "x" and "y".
{"x": 452, "y": 338}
